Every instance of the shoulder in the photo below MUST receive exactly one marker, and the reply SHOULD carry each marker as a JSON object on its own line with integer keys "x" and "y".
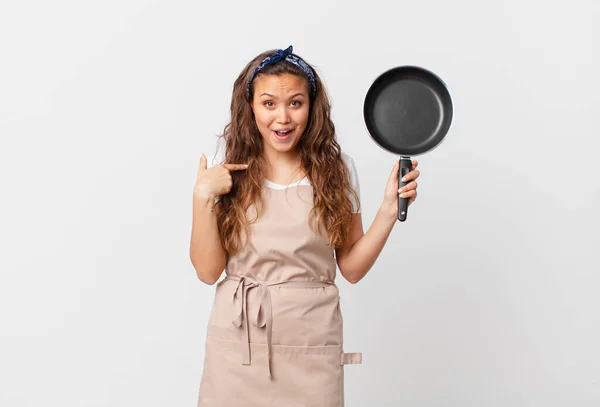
{"x": 351, "y": 168}
{"x": 347, "y": 158}
{"x": 354, "y": 182}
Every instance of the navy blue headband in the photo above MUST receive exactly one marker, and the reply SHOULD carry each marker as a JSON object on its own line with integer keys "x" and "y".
{"x": 287, "y": 55}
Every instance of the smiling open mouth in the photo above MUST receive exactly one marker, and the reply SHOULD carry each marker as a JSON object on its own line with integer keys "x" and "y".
{"x": 282, "y": 134}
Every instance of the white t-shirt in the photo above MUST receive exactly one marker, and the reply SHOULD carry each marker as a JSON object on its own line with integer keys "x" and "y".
{"x": 218, "y": 159}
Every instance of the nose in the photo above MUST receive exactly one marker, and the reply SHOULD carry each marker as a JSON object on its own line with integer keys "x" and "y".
{"x": 283, "y": 115}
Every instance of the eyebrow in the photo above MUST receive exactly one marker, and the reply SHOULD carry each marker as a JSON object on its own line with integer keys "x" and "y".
{"x": 268, "y": 94}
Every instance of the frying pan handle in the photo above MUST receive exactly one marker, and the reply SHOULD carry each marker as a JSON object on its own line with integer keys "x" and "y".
{"x": 405, "y": 167}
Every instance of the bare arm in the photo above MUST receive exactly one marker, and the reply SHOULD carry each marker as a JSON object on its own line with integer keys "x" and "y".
{"x": 356, "y": 259}
{"x": 206, "y": 251}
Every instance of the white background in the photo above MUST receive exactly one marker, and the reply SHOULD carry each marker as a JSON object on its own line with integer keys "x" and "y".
{"x": 486, "y": 296}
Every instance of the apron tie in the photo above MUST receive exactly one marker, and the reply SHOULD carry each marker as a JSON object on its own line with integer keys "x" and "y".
{"x": 264, "y": 312}
{"x": 241, "y": 321}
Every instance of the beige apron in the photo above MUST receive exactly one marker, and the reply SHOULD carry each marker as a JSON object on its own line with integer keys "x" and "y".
{"x": 275, "y": 331}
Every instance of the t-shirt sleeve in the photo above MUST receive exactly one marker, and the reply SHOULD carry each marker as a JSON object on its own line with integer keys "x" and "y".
{"x": 210, "y": 161}
{"x": 353, "y": 181}
{"x": 217, "y": 158}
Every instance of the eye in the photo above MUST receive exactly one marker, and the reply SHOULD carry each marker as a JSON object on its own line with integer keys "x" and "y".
{"x": 296, "y": 103}
{"x": 268, "y": 103}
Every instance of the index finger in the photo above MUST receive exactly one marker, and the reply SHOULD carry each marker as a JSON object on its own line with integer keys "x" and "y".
{"x": 235, "y": 167}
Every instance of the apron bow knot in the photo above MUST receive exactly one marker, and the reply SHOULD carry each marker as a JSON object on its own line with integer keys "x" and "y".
{"x": 263, "y": 318}
{"x": 259, "y": 320}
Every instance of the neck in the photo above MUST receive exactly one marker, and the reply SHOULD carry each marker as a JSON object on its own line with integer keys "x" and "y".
{"x": 282, "y": 165}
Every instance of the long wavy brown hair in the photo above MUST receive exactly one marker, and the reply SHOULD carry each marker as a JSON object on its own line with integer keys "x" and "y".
{"x": 321, "y": 159}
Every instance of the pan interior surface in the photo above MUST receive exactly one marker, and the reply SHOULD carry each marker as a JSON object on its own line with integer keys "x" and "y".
{"x": 408, "y": 113}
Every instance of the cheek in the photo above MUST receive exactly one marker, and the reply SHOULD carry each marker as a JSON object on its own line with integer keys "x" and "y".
{"x": 302, "y": 117}
{"x": 263, "y": 119}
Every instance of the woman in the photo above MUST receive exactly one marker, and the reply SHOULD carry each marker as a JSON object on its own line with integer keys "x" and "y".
{"x": 279, "y": 214}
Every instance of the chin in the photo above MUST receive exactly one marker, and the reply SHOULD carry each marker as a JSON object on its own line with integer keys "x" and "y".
{"x": 283, "y": 148}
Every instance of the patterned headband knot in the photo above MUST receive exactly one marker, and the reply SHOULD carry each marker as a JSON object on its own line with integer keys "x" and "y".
{"x": 285, "y": 54}
{"x": 281, "y": 54}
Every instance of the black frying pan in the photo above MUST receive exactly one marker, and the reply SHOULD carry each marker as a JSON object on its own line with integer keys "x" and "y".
{"x": 407, "y": 111}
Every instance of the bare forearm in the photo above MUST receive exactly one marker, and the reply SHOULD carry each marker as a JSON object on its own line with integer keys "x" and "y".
{"x": 366, "y": 250}
{"x": 206, "y": 251}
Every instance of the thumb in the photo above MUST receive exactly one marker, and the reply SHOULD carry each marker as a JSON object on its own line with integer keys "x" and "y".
{"x": 393, "y": 179}
{"x": 394, "y": 173}
{"x": 203, "y": 162}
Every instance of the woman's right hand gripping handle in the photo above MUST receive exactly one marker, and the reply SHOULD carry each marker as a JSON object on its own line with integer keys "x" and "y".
{"x": 206, "y": 251}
